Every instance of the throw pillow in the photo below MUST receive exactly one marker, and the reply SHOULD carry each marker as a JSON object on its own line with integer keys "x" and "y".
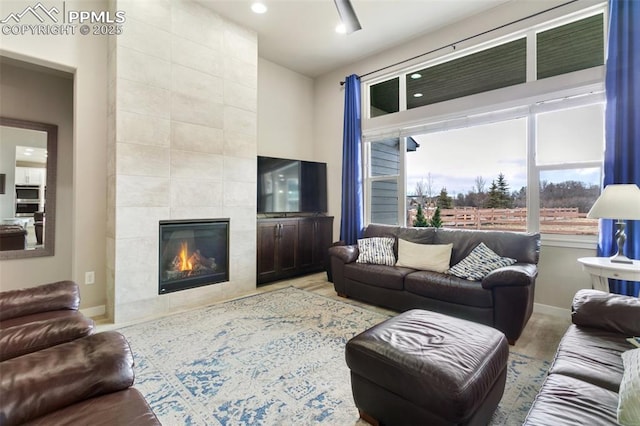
{"x": 479, "y": 263}
{"x": 377, "y": 250}
{"x": 426, "y": 257}
{"x": 629, "y": 393}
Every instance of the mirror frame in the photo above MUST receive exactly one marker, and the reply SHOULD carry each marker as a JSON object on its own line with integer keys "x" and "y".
{"x": 50, "y": 197}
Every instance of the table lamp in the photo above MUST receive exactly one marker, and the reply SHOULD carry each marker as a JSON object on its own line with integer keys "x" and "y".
{"x": 620, "y": 202}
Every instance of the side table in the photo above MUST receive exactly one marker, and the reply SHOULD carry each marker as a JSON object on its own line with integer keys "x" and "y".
{"x": 601, "y": 269}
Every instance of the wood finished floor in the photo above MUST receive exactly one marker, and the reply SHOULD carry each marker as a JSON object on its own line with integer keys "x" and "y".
{"x": 539, "y": 339}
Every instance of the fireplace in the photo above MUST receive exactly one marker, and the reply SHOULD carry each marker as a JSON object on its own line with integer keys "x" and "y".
{"x": 193, "y": 253}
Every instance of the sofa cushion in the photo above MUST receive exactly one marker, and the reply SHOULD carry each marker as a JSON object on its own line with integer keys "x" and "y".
{"x": 564, "y": 400}
{"x": 606, "y": 311}
{"x": 448, "y": 288}
{"x": 391, "y": 277}
{"x": 523, "y": 247}
{"x": 426, "y": 257}
{"x": 629, "y": 395}
{"x": 47, "y": 297}
{"x": 479, "y": 263}
{"x": 376, "y": 250}
{"x": 126, "y": 407}
{"x": 591, "y": 355}
{"x": 33, "y": 336}
{"x": 64, "y": 375}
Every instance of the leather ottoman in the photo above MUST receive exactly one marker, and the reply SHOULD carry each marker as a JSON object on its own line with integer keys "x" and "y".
{"x": 425, "y": 368}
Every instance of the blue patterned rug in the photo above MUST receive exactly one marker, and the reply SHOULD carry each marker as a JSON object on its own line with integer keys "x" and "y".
{"x": 272, "y": 359}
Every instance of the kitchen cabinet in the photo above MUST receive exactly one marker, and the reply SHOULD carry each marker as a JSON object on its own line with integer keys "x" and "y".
{"x": 30, "y": 176}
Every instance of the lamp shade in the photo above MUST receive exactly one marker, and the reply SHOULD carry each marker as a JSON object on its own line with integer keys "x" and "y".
{"x": 617, "y": 201}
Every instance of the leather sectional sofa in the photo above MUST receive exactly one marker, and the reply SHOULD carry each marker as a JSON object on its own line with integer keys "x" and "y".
{"x": 583, "y": 384}
{"x": 55, "y": 371}
{"x": 503, "y": 299}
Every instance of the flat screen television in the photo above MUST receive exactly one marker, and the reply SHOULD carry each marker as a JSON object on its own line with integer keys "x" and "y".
{"x": 291, "y": 186}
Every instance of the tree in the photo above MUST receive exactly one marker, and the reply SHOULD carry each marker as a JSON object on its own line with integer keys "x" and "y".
{"x": 420, "y": 221}
{"x": 503, "y": 191}
{"x": 444, "y": 201}
{"x": 436, "y": 221}
{"x": 494, "y": 196}
{"x": 421, "y": 191}
{"x": 499, "y": 197}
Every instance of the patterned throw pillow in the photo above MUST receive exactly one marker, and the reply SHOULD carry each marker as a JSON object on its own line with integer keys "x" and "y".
{"x": 629, "y": 394}
{"x": 377, "y": 250}
{"x": 479, "y": 263}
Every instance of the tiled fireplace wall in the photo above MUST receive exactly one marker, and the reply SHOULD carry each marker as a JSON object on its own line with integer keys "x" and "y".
{"x": 182, "y": 145}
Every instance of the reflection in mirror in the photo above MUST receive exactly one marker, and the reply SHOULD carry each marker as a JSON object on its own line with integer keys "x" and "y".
{"x": 27, "y": 206}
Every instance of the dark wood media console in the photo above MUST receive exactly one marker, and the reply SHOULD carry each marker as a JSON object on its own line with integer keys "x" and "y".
{"x": 292, "y": 246}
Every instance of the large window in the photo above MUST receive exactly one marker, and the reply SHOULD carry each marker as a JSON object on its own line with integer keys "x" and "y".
{"x": 526, "y": 158}
{"x": 473, "y": 174}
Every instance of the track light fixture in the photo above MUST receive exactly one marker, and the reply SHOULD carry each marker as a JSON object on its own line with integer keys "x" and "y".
{"x": 348, "y": 16}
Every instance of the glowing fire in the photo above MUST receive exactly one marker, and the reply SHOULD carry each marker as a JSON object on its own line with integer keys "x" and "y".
{"x": 185, "y": 263}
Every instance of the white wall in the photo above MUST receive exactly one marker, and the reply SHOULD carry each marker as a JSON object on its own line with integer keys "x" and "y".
{"x": 82, "y": 175}
{"x": 285, "y": 119}
{"x": 559, "y": 274}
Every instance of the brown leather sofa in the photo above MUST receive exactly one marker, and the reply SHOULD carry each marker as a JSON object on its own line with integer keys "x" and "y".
{"x": 12, "y": 237}
{"x": 84, "y": 382}
{"x": 55, "y": 371}
{"x": 584, "y": 379}
{"x": 503, "y": 299}
{"x": 36, "y": 318}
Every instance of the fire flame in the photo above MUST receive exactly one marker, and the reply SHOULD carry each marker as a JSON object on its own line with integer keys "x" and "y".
{"x": 185, "y": 264}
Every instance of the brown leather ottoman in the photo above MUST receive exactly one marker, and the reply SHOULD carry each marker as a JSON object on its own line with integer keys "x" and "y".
{"x": 425, "y": 368}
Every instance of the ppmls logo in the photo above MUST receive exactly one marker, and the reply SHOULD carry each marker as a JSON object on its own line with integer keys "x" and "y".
{"x": 40, "y": 20}
{"x": 38, "y": 11}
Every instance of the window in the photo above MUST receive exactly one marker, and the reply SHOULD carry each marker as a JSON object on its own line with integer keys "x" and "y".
{"x": 529, "y": 158}
{"x": 569, "y": 155}
{"x": 474, "y": 174}
{"x": 571, "y": 47}
{"x": 493, "y": 68}
{"x": 383, "y": 173}
{"x": 384, "y": 97}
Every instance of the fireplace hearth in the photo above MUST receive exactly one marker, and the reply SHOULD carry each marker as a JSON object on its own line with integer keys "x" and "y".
{"x": 193, "y": 253}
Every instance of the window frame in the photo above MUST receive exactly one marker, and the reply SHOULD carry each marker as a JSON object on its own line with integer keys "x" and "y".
{"x": 576, "y": 88}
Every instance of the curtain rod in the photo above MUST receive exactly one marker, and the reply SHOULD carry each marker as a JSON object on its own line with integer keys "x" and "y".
{"x": 465, "y": 39}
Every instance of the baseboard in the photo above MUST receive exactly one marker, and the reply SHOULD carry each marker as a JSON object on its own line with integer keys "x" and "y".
{"x": 94, "y": 311}
{"x": 551, "y": 310}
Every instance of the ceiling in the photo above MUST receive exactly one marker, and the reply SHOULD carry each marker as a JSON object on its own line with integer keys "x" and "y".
{"x": 300, "y": 34}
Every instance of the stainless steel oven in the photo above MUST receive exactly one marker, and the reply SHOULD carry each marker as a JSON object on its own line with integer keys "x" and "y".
{"x": 26, "y": 193}
{"x": 27, "y": 209}
{"x": 27, "y": 200}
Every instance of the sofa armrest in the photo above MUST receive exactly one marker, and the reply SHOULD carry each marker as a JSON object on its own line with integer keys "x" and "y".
{"x": 606, "y": 311}
{"x": 43, "y": 298}
{"x": 518, "y": 274}
{"x": 41, "y": 382}
{"x": 346, "y": 254}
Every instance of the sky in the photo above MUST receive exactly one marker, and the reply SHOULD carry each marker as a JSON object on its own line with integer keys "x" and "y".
{"x": 485, "y": 151}
{"x": 454, "y": 158}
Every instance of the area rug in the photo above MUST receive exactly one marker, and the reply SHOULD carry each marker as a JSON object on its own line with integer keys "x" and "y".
{"x": 275, "y": 358}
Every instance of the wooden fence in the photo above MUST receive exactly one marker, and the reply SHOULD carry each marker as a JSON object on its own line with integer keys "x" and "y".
{"x": 562, "y": 220}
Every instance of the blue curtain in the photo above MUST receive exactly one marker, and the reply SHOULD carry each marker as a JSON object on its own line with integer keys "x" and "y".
{"x": 622, "y": 125}
{"x": 352, "y": 216}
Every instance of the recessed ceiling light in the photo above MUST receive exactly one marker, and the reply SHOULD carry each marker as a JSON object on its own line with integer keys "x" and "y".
{"x": 341, "y": 29}
{"x": 258, "y": 7}
{"x": 417, "y": 95}
{"x": 416, "y": 75}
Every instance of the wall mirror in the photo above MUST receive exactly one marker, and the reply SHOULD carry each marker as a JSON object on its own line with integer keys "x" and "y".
{"x": 28, "y": 188}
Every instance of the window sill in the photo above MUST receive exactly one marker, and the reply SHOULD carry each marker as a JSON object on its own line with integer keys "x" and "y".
{"x": 587, "y": 242}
